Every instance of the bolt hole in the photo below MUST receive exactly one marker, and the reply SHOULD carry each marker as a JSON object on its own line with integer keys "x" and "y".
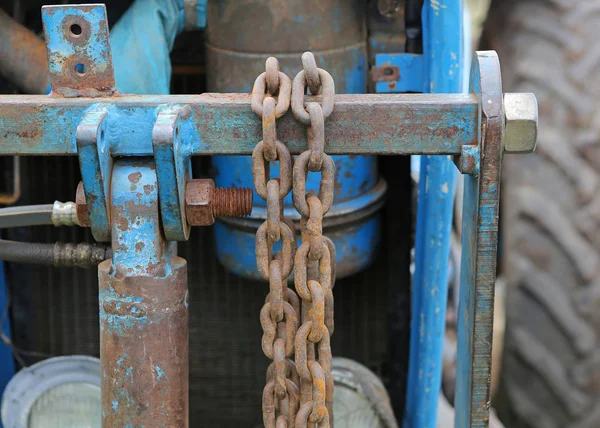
{"x": 388, "y": 71}
{"x": 81, "y": 69}
{"x": 102, "y": 135}
{"x": 177, "y": 132}
{"x": 76, "y": 29}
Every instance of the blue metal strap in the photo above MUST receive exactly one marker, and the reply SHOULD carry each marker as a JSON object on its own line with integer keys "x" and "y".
{"x": 173, "y": 168}
{"x": 442, "y": 46}
{"x": 95, "y": 163}
{"x": 479, "y": 252}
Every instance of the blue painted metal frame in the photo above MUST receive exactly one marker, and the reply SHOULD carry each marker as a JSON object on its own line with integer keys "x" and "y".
{"x": 479, "y": 252}
{"x": 173, "y": 168}
{"x": 411, "y": 72}
{"x": 95, "y": 164}
{"x": 432, "y": 124}
{"x": 443, "y": 50}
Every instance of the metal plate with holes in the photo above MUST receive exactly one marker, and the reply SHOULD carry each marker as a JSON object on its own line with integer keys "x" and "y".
{"x": 79, "y": 54}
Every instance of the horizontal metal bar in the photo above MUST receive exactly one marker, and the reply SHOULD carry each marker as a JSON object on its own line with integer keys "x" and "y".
{"x": 224, "y": 124}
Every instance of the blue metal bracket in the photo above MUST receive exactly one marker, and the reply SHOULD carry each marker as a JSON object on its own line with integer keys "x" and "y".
{"x": 402, "y": 72}
{"x": 80, "y": 64}
{"x": 79, "y": 56}
{"x": 173, "y": 169}
{"x": 468, "y": 161}
{"x": 95, "y": 163}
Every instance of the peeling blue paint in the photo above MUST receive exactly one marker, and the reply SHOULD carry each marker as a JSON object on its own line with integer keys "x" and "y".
{"x": 159, "y": 372}
{"x": 442, "y": 46}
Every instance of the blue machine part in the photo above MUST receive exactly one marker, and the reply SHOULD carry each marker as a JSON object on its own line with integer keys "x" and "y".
{"x": 410, "y": 75}
{"x": 142, "y": 41}
{"x": 7, "y": 364}
{"x": 443, "y": 64}
{"x": 355, "y": 178}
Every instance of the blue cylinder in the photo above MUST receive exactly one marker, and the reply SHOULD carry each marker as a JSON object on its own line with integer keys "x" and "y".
{"x": 240, "y": 37}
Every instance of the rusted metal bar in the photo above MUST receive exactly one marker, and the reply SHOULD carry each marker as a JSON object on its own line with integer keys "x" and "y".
{"x": 225, "y": 124}
{"x": 22, "y": 56}
{"x": 143, "y": 310}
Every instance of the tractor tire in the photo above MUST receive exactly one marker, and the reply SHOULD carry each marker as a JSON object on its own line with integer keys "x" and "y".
{"x": 551, "y": 215}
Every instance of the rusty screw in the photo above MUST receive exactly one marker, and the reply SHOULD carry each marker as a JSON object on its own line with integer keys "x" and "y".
{"x": 204, "y": 202}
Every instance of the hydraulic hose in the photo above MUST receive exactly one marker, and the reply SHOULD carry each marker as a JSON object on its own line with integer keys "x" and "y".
{"x": 27, "y": 215}
{"x": 57, "y": 254}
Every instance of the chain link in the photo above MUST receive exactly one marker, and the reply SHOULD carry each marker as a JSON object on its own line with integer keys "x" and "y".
{"x": 299, "y": 389}
{"x": 279, "y": 314}
{"x": 314, "y": 272}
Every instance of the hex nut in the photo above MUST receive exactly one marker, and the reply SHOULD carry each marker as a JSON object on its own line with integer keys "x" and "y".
{"x": 199, "y": 202}
{"x": 521, "y": 122}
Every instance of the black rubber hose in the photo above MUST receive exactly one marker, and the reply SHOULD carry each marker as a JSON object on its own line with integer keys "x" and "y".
{"x": 59, "y": 254}
{"x": 27, "y": 215}
{"x": 25, "y": 252}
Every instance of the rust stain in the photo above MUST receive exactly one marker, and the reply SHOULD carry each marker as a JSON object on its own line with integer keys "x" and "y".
{"x": 135, "y": 177}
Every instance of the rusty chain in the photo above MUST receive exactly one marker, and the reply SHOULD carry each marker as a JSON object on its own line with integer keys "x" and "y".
{"x": 314, "y": 272}
{"x": 279, "y": 315}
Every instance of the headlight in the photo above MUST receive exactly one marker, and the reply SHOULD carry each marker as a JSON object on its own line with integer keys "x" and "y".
{"x": 61, "y": 392}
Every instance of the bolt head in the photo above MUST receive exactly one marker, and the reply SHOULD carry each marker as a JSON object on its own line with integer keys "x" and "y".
{"x": 199, "y": 202}
{"x": 521, "y": 122}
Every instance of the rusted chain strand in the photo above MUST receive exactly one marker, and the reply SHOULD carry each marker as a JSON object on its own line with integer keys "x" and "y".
{"x": 314, "y": 261}
{"x": 279, "y": 314}
{"x": 301, "y": 81}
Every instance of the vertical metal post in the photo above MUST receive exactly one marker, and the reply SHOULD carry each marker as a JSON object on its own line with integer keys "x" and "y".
{"x": 443, "y": 49}
{"x": 143, "y": 309}
{"x": 479, "y": 251}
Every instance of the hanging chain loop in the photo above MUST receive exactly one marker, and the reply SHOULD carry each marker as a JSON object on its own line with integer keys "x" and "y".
{"x": 279, "y": 314}
{"x": 314, "y": 271}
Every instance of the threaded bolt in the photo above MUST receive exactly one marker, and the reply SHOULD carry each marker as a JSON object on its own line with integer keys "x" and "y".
{"x": 232, "y": 202}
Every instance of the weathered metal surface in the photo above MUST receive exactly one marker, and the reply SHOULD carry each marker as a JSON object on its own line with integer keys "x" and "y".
{"x": 385, "y": 73}
{"x": 22, "y": 56}
{"x": 442, "y": 56}
{"x": 95, "y": 164}
{"x": 224, "y": 124}
{"x": 232, "y": 202}
{"x": 284, "y": 27}
{"x": 173, "y": 168}
{"x": 408, "y": 76}
{"x": 79, "y": 56}
{"x": 334, "y": 31}
{"x": 204, "y": 202}
{"x": 143, "y": 310}
{"x": 83, "y": 213}
{"x": 479, "y": 251}
{"x": 358, "y": 215}
{"x": 279, "y": 315}
{"x": 314, "y": 263}
{"x": 199, "y": 203}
